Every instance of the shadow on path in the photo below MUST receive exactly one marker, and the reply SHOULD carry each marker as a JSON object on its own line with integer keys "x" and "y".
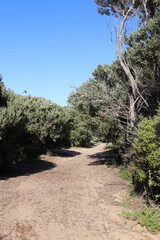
{"x": 102, "y": 158}
{"x": 64, "y": 152}
{"x": 2, "y": 237}
{"x": 91, "y": 145}
{"x": 27, "y": 167}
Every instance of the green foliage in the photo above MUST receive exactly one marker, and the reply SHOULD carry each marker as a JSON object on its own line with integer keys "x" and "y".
{"x": 80, "y": 129}
{"x": 46, "y": 119}
{"x": 30, "y": 125}
{"x": 3, "y": 94}
{"x": 102, "y": 101}
{"x": 12, "y": 130}
{"x": 145, "y": 216}
{"x": 147, "y": 163}
{"x": 126, "y": 172}
{"x": 144, "y": 44}
{"x": 86, "y": 98}
{"x": 80, "y": 136}
{"x": 119, "y": 8}
{"x": 144, "y": 51}
{"x": 135, "y": 88}
{"x": 137, "y": 80}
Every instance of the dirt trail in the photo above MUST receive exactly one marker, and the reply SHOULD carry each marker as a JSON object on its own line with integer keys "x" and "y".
{"x": 66, "y": 198}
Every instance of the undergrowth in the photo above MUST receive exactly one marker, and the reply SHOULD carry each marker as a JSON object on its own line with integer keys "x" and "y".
{"x": 145, "y": 216}
{"x": 126, "y": 173}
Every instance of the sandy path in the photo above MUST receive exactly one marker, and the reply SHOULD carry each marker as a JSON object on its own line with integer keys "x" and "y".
{"x": 72, "y": 201}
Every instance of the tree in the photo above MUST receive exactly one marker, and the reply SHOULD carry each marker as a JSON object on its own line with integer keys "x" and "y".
{"x": 124, "y": 11}
{"x": 103, "y": 100}
{"x": 144, "y": 50}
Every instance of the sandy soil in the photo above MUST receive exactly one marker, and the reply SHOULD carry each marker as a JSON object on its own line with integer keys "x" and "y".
{"x": 66, "y": 197}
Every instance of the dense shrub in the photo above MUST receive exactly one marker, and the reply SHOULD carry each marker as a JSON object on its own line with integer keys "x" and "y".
{"x": 46, "y": 120}
{"x": 80, "y": 136}
{"x": 147, "y": 164}
{"x": 3, "y": 94}
{"x": 30, "y": 125}
{"x": 12, "y": 131}
{"x": 80, "y": 129}
{"x": 86, "y": 128}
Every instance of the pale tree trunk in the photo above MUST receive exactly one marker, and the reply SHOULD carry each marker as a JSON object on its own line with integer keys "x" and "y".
{"x": 123, "y": 13}
{"x": 133, "y": 114}
{"x": 132, "y": 95}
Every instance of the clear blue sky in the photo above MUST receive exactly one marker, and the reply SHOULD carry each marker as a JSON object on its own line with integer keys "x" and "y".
{"x": 46, "y": 46}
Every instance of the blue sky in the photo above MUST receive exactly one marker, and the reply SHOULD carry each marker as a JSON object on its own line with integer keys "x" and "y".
{"x": 48, "y": 46}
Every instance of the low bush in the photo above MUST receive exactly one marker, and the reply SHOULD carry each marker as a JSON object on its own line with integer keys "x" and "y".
{"x": 126, "y": 172}
{"x": 29, "y": 126}
{"x": 145, "y": 216}
{"x": 146, "y": 175}
{"x": 80, "y": 134}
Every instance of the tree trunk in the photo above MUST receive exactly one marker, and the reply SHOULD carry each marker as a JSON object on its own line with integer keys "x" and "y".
{"x": 132, "y": 113}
